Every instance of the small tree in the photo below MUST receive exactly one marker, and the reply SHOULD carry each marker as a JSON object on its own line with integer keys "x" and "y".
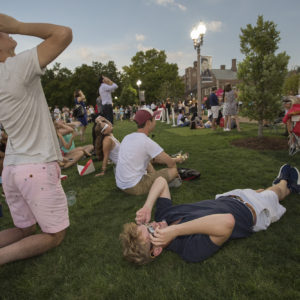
{"x": 128, "y": 96}
{"x": 262, "y": 72}
{"x": 291, "y": 84}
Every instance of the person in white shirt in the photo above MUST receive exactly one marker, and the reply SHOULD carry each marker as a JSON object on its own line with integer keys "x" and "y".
{"x": 31, "y": 174}
{"x": 105, "y": 90}
{"x": 134, "y": 172}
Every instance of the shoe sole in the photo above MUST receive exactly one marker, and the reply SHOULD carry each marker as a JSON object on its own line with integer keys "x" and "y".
{"x": 298, "y": 181}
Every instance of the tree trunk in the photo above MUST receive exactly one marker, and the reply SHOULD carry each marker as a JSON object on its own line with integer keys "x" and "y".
{"x": 260, "y": 128}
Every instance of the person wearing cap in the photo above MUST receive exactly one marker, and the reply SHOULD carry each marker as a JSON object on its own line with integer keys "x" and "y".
{"x": 196, "y": 231}
{"x": 134, "y": 172}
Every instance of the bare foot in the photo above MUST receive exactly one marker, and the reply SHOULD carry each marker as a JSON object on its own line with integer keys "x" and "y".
{"x": 87, "y": 153}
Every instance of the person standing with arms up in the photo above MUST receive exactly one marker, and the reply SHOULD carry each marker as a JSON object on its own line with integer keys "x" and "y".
{"x": 31, "y": 175}
{"x": 105, "y": 90}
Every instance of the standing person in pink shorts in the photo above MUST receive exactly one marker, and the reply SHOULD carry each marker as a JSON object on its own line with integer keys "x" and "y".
{"x": 31, "y": 175}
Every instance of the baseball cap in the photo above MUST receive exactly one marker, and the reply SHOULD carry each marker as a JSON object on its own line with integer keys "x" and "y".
{"x": 143, "y": 115}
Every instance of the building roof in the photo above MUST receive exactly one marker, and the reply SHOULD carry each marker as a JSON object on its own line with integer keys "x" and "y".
{"x": 224, "y": 74}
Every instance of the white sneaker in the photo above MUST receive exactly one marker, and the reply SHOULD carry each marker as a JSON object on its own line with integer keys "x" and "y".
{"x": 175, "y": 182}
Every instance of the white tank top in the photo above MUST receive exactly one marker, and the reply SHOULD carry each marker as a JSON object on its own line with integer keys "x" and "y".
{"x": 114, "y": 153}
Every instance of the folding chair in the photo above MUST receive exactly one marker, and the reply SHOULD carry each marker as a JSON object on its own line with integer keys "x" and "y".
{"x": 294, "y": 137}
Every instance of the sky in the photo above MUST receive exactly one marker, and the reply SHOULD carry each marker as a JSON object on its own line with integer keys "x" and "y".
{"x": 117, "y": 29}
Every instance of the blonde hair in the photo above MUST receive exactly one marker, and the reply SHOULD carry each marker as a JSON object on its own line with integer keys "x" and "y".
{"x": 295, "y": 99}
{"x": 134, "y": 248}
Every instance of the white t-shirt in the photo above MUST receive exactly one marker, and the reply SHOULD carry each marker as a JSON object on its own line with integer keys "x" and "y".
{"x": 24, "y": 112}
{"x": 136, "y": 151}
{"x": 105, "y": 91}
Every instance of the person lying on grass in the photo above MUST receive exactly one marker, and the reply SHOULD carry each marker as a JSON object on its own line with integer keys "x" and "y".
{"x": 196, "y": 231}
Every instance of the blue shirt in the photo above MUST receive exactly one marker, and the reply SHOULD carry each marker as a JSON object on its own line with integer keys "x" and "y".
{"x": 198, "y": 247}
{"x": 213, "y": 99}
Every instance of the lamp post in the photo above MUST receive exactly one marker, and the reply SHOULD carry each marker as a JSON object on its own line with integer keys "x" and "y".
{"x": 138, "y": 83}
{"x": 197, "y": 35}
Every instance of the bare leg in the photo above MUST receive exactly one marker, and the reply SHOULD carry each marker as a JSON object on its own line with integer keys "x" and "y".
{"x": 280, "y": 189}
{"x": 88, "y": 149}
{"x": 12, "y": 235}
{"x": 30, "y": 246}
{"x": 229, "y": 123}
{"x": 225, "y": 122}
{"x": 237, "y": 123}
{"x": 75, "y": 156}
{"x": 213, "y": 126}
{"x": 82, "y": 133}
{"x": 172, "y": 173}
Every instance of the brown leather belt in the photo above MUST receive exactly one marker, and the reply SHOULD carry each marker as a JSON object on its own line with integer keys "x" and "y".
{"x": 252, "y": 210}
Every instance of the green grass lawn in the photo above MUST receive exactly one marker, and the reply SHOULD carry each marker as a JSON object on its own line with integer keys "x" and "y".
{"x": 89, "y": 263}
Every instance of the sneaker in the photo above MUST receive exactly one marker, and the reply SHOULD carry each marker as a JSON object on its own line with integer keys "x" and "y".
{"x": 284, "y": 172}
{"x": 294, "y": 180}
{"x": 175, "y": 183}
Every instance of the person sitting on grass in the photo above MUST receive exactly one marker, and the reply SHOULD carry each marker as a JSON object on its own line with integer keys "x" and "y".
{"x": 134, "y": 172}
{"x": 106, "y": 145}
{"x": 196, "y": 122}
{"x": 196, "y": 231}
{"x": 71, "y": 154}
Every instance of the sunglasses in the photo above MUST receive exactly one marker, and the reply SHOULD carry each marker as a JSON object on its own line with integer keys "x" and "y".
{"x": 103, "y": 129}
{"x": 150, "y": 229}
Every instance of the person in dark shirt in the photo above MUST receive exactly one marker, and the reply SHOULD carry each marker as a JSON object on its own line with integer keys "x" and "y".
{"x": 197, "y": 230}
{"x": 214, "y": 103}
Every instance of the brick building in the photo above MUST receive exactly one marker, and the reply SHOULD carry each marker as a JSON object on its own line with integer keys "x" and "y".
{"x": 219, "y": 78}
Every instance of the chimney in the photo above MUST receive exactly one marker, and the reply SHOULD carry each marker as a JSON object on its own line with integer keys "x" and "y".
{"x": 233, "y": 65}
{"x": 222, "y": 67}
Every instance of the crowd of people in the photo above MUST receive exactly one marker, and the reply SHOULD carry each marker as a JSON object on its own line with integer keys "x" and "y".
{"x": 34, "y": 148}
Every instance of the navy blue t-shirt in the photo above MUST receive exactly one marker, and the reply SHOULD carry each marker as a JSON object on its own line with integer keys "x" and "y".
{"x": 213, "y": 99}
{"x": 198, "y": 247}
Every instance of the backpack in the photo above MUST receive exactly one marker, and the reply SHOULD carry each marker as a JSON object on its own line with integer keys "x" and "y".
{"x": 188, "y": 174}
{"x": 78, "y": 111}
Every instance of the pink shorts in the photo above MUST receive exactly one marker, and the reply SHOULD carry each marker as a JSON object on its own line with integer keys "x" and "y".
{"x": 34, "y": 195}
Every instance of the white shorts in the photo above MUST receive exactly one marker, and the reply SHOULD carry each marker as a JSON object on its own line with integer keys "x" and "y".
{"x": 266, "y": 205}
{"x": 215, "y": 111}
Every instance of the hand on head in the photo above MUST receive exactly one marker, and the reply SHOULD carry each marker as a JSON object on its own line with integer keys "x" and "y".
{"x": 143, "y": 216}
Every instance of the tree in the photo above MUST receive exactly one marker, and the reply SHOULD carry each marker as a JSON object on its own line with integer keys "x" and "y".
{"x": 128, "y": 96}
{"x": 154, "y": 71}
{"x": 262, "y": 72}
{"x": 57, "y": 86}
{"x": 291, "y": 84}
{"x": 60, "y": 83}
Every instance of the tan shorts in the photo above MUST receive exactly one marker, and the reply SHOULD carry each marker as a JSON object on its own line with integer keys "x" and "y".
{"x": 215, "y": 111}
{"x": 146, "y": 182}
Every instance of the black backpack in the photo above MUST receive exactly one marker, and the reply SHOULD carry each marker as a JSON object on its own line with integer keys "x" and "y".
{"x": 188, "y": 174}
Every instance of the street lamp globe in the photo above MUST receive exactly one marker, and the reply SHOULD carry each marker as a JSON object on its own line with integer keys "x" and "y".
{"x": 194, "y": 34}
{"x": 201, "y": 28}
{"x": 138, "y": 83}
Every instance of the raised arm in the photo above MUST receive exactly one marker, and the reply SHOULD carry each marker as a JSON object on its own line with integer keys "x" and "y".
{"x": 159, "y": 188}
{"x": 56, "y": 38}
{"x": 64, "y": 143}
{"x": 218, "y": 227}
